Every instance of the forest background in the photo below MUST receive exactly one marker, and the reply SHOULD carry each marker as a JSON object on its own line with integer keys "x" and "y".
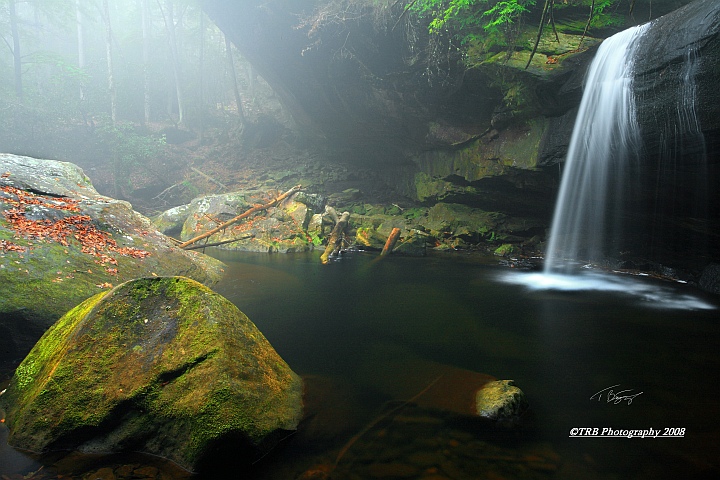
{"x": 117, "y": 85}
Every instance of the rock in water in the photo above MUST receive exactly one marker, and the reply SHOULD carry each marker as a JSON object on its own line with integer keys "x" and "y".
{"x": 160, "y": 365}
{"x": 500, "y": 399}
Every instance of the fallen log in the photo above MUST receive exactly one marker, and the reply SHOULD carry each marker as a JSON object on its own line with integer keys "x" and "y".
{"x": 391, "y": 241}
{"x": 215, "y": 244}
{"x": 247, "y": 213}
{"x": 336, "y": 238}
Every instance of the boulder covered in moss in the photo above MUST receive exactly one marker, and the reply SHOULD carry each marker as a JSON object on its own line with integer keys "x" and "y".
{"x": 158, "y": 365}
{"x": 500, "y": 399}
{"x": 62, "y": 242}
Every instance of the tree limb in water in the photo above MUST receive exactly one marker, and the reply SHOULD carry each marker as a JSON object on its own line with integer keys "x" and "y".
{"x": 336, "y": 238}
{"x": 391, "y": 241}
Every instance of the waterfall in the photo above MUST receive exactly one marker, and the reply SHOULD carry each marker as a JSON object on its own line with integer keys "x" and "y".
{"x": 604, "y": 142}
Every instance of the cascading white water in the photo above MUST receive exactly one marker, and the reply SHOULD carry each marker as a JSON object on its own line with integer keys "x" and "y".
{"x": 603, "y": 142}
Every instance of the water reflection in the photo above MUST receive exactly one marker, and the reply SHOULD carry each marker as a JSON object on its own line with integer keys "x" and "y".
{"x": 368, "y": 336}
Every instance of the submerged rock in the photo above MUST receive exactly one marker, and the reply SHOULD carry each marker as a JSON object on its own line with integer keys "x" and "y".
{"x": 438, "y": 386}
{"x": 158, "y": 365}
{"x": 500, "y": 399}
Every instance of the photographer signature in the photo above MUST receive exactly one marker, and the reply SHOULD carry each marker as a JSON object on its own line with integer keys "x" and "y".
{"x": 615, "y": 397}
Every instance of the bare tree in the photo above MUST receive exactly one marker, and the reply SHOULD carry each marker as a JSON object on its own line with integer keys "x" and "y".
{"x": 16, "y": 48}
{"x": 233, "y": 79}
{"x": 145, "y": 18}
{"x": 108, "y": 52}
{"x": 169, "y": 18}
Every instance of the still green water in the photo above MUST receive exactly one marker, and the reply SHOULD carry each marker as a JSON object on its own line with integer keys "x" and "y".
{"x": 362, "y": 328}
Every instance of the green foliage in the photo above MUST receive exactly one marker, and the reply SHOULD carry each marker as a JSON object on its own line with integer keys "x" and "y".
{"x": 504, "y": 250}
{"x": 602, "y": 17}
{"x": 496, "y": 22}
{"x": 490, "y": 15}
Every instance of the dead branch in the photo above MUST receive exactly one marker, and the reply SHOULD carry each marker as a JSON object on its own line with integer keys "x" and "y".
{"x": 332, "y": 213}
{"x": 391, "y": 241}
{"x": 215, "y": 244}
{"x": 590, "y": 17}
{"x": 405, "y": 10}
{"x": 336, "y": 237}
{"x": 209, "y": 178}
{"x": 157, "y": 197}
{"x": 247, "y": 213}
{"x": 543, "y": 18}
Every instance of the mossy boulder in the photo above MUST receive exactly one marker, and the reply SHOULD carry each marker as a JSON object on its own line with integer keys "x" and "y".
{"x": 500, "y": 399}
{"x": 158, "y": 365}
{"x": 62, "y": 242}
{"x": 450, "y": 220}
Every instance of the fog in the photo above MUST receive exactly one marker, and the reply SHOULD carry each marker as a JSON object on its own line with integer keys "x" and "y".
{"x": 122, "y": 88}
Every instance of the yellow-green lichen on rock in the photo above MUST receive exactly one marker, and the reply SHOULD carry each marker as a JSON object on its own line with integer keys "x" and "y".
{"x": 500, "y": 399}
{"x": 159, "y": 365}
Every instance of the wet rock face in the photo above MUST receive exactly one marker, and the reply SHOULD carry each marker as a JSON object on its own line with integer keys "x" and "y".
{"x": 158, "y": 365}
{"x": 676, "y": 76}
{"x": 677, "y": 73}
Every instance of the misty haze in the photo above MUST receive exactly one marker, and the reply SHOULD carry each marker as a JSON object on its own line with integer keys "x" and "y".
{"x": 359, "y": 239}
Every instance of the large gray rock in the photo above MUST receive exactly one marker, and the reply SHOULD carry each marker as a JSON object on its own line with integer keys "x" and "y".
{"x": 677, "y": 71}
{"x": 62, "y": 242}
{"x": 673, "y": 200}
{"x": 159, "y": 365}
{"x": 278, "y": 229}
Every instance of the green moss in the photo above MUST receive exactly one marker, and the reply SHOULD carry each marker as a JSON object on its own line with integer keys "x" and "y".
{"x": 194, "y": 364}
{"x": 504, "y": 250}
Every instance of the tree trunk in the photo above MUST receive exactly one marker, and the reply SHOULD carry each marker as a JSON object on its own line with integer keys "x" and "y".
{"x": 81, "y": 45}
{"x": 336, "y": 238}
{"x": 169, "y": 18}
{"x": 200, "y": 110}
{"x": 145, "y": 12}
{"x": 16, "y": 48}
{"x": 233, "y": 79}
{"x": 108, "y": 51}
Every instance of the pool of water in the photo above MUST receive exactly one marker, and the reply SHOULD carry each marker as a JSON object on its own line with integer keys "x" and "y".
{"x": 369, "y": 334}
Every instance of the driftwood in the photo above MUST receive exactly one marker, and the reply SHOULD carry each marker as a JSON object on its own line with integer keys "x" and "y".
{"x": 336, "y": 237}
{"x": 215, "y": 244}
{"x": 332, "y": 213}
{"x": 391, "y": 241}
{"x": 247, "y": 213}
